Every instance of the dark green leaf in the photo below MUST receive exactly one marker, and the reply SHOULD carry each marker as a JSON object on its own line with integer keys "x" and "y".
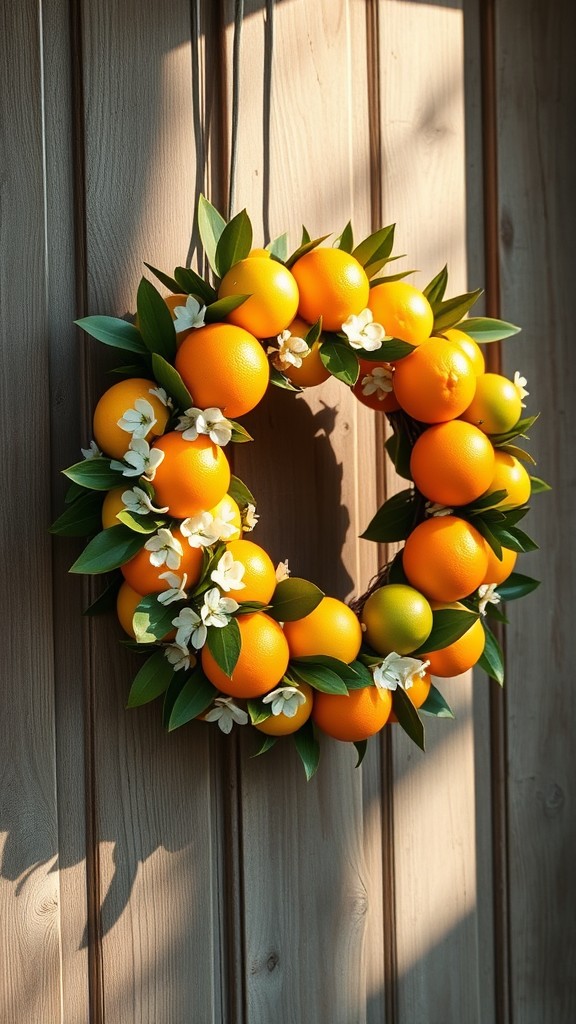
{"x": 340, "y": 361}
{"x": 449, "y": 312}
{"x": 139, "y": 523}
{"x": 234, "y": 243}
{"x": 192, "y": 284}
{"x": 279, "y": 247}
{"x": 155, "y": 320}
{"x": 211, "y": 224}
{"x": 396, "y": 572}
{"x": 518, "y": 453}
{"x": 169, "y": 378}
{"x": 247, "y": 607}
{"x": 517, "y": 585}
{"x": 346, "y": 239}
{"x": 294, "y": 598}
{"x": 108, "y": 550}
{"x": 485, "y": 329}
{"x": 487, "y": 501}
{"x": 224, "y": 645}
{"x": 81, "y": 518}
{"x": 153, "y": 620}
{"x": 304, "y": 248}
{"x": 436, "y": 705}
{"x": 400, "y": 450}
{"x": 374, "y": 251}
{"x": 408, "y": 717}
{"x": 514, "y": 539}
{"x": 269, "y": 742}
{"x": 94, "y": 474}
{"x": 389, "y": 278}
{"x": 448, "y": 625}
{"x": 314, "y": 333}
{"x": 218, "y": 311}
{"x": 175, "y": 687}
{"x": 114, "y": 332}
{"x": 361, "y": 748}
{"x": 106, "y": 601}
{"x": 436, "y": 288}
{"x": 73, "y": 492}
{"x": 538, "y": 486}
{"x": 166, "y": 280}
{"x": 390, "y": 351}
{"x": 308, "y": 749}
{"x": 195, "y": 696}
{"x": 492, "y": 657}
{"x": 393, "y": 520}
{"x": 258, "y": 711}
{"x": 132, "y": 369}
{"x": 355, "y": 673}
{"x": 486, "y": 530}
{"x": 317, "y": 676}
{"x": 240, "y": 493}
{"x": 152, "y": 680}
{"x": 306, "y": 236}
{"x": 281, "y": 381}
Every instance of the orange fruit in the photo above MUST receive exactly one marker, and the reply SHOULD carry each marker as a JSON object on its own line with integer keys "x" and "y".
{"x": 496, "y": 406}
{"x": 452, "y": 463}
{"x": 126, "y": 604}
{"x": 273, "y": 295}
{"x": 312, "y": 371}
{"x": 499, "y": 569}
{"x": 144, "y": 577}
{"x": 436, "y": 382}
{"x": 193, "y": 476}
{"x": 445, "y": 558}
{"x": 403, "y": 311}
{"x": 264, "y": 253}
{"x": 259, "y": 575}
{"x": 332, "y": 629}
{"x": 223, "y": 367}
{"x": 418, "y": 693}
{"x": 469, "y": 347}
{"x": 228, "y": 510}
{"x": 282, "y": 725}
{"x": 368, "y": 379}
{"x": 509, "y": 475}
{"x": 112, "y": 505}
{"x": 354, "y": 717}
{"x": 111, "y": 407}
{"x": 462, "y": 654}
{"x": 332, "y": 284}
{"x": 262, "y": 663}
{"x": 396, "y": 618}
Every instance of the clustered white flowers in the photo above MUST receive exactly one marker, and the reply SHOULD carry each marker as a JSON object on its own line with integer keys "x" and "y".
{"x": 397, "y": 670}
{"x": 363, "y": 332}
{"x": 210, "y": 422}
{"x": 290, "y": 351}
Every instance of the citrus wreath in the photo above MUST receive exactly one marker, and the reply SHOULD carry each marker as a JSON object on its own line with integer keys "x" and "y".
{"x": 230, "y": 638}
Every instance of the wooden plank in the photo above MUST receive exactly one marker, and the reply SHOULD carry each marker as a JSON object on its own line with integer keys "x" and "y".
{"x": 537, "y": 99}
{"x": 424, "y": 159}
{"x": 307, "y": 884}
{"x": 29, "y": 879}
{"x": 155, "y": 799}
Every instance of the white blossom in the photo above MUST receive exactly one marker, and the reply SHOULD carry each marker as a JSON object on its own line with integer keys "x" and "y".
{"x": 249, "y": 518}
{"x": 139, "y": 460}
{"x": 290, "y": 351}
{"x": 176, "y": 588}
{"x": 520, "y": 383}
{"x": 397, "y": 670}
{"x": 178, "y": 655}
{"x": 282, "y": 571}
{"x": 165, "y": 549}
{"x": 216, "y": 609}
{"x": 190, "y": 628}
{"x": 487, "y": 594}
{"x": 362, "y": 332}
{"x": 139, "y": 502}
{"x": 228, "y": 574}
{"x": 162, "y": 395}
{"x": 285, "y": 700}
{"x": 224, "y": 526}
{"x": 201, "y": 530}
{"x": 211, "y": 422}
{"x": 93, "y": 452}
{"x": 190, "y": 315}
{"x": 378, "y": 382}
{"x": 434, "y": 509}
{"x": 139, "y": 420}
{"x": 226, "y": 713}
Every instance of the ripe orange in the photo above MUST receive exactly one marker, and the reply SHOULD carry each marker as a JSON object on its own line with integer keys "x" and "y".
{"x": 126, "y": 604}
{"x": 228, "y": 509}
{"x": 262, "y": 663}
{"x": 397, "y": 618}
{"x": 510, "y": 475}
{"x": 496, "y": 406}
{"x": 469, "y": 347}
{"x": 194, "y": 475}
{"x": 354, "y": 717}
{"x": 312, "y": 371}
{"x": 144, "y": 577}
{"x": 436, "y": 382}
{"x": 380, "y": 400}
{"x": 403, "y": 311}
{"x": 259, "y": 576}
{"x": 223, "y": 367}
{"x": 111, "y": 506}
{"x": 445, "y": 558}
{"x": 499, "y": 569}
{"x": 332, "y": 629}
{"x": 462, "y": 654}
{"x": 282, "y": 725}
{"x": 332, "y": 284}
{"x": 273, "y": 295}
{"x": 452, "y": 463}
{"x": 111, "y": 407}
{"x": 418, "y": 693}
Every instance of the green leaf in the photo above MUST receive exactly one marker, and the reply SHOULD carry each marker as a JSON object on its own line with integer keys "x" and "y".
{"x": 278, "y": 247}
{"x": 390, "y": 351}
{"x": 517, "y": 585}
{"x": 218, "y": 311}
{"x": 211, "y": 224}
{"x": 346, "y": 239}
{"x": 269, "y": 742}
{"x": 516, "y": 540}
{"x": 340, "y": 361}
{"x": 518, "y": 453}
{"x": 94, "y": 474}
{"x": 436, "y": 705}
{"x": 436, "y": 288}
{"x": 487, "y": 531}
{"x": 132, "y": 369}
{"x": 393, "y": 520}
{"x": 318, "y": 676}
{"x": 306, "y": 236}
{"x": 408, "y": 717}
{"x": 518, "y": 430}
{"x": 108, "y": 550}
{"x": 306, "y": 246}
{"x": 175, "y": 687}
{"x": 224, "y": 645}
{"x": 400, "y": 450}
{"x": 114, "y": 332}
{"x": 492, "y": 658}
{"x": 448, "y": 625}
{"x": 294, "y": 598}
{"x": 169, "y": 378}
{"x": 81, "y": 518}
{"x": 281, "y": 381}
{"x": 374, "y": 251}
{"x": 355, "y": 675}
{"x": 487, "y": 501}
{"x": 140, "y": 523}
{"x": 361, "y": 748}
{"x": 152, "y": 620}
{"x": 247, "y": 607}
{"x": 192, "y": 284}
{"x": 240, "y": 493}
{"x": 538, "y": 486}
{"x": 152, "y": 680}
{"x": 396, "y": 572}
{"x": 258, "y": 711}
{"x": 155, "y": 320}
{"x": 105, "y": 601}
{"x": 308, "y": 749}
{"x": 389, "y": 278}
{"x": 165, "y": 279}
{"x": 195, "y": 696}
{"x": 485, "y": 329}
{"x": 449, "y": 312}
{"x": 314, "y": 333}
{"x": 73, "y": 492}
{"x": 239, "y": 434}
{"x": 234, "y": 243}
